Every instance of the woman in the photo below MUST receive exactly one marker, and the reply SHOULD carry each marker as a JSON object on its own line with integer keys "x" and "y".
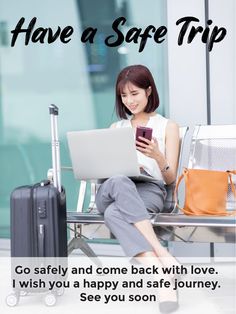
{"x": 125, "y": 203}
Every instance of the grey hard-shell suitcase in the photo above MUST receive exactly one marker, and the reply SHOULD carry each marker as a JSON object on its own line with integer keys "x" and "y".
{"x": 38, "y": 212}
{"x": 38, "y": 222}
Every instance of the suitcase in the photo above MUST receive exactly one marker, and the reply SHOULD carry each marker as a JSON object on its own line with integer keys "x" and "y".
{"x": 38, "y": 212}
{"x": 38, "y": 222}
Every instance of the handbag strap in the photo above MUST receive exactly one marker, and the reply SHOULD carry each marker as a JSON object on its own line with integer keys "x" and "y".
{"x": 230, "y": 172}
{"x": 177, "y": 186}
{"x": 184, "y": 175}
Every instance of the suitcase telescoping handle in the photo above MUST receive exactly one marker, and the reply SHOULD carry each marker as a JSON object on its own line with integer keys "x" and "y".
{"x": 56, "y": 164}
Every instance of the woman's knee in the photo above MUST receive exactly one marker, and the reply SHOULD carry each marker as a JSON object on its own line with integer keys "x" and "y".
{"x": 106, "y": 193}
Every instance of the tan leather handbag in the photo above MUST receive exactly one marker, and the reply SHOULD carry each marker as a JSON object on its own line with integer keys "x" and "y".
{"x": 206, "y": 192}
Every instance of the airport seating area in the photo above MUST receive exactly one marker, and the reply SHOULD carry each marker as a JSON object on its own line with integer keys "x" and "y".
{"x": 212, "y": 147}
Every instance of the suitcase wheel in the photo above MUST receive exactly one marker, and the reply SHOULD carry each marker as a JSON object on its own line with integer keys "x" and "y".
{"x": 12, "y": 299}
{"x": 50, "y": 299}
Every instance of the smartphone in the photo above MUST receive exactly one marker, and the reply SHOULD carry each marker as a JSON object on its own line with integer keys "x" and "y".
{"x": 144, "y": 132}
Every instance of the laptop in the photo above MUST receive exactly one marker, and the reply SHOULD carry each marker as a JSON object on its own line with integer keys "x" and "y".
{"x": 103, "y": 153}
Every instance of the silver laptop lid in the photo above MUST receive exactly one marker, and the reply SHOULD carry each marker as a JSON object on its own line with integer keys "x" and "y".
{"x": 102, "y": 153}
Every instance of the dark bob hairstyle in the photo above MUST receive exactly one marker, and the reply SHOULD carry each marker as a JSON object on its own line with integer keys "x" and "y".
{"x": 140, "y": 76}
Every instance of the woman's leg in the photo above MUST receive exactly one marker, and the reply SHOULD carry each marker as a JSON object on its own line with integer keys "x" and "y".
{"x": 147, "y": 231}
{"x": 126, "y": 216}
{"x": 134, "y": 244}
{"x": 167, "y": 296}
{"x": 145, "y": 227}
{"x": 122, "y": 206}
{"x": 153, "y": 195}
{"x": 129, "y": 237}
{"x": 122, "y": 191}
{"x": 129, "y": 201}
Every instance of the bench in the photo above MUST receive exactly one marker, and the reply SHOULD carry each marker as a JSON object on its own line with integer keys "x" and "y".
{"x": 212, "y": 147}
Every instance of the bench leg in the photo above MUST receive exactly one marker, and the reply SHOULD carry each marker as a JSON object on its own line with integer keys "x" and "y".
{"x": 212, "y": 249}
{"x": 79, "y": 243}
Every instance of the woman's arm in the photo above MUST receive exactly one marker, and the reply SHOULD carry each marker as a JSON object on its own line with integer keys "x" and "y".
{"x": 168, "y": 163}
{"x": 171, "y": 153}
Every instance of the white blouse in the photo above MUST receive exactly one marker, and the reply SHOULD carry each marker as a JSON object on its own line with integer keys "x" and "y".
{"x": 158, "y": 123}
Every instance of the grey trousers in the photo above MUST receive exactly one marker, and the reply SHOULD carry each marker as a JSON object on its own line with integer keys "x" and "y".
{"x": 123, "y": 203}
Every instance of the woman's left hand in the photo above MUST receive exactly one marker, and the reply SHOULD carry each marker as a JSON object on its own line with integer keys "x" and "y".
{"x": 148, "y": 148}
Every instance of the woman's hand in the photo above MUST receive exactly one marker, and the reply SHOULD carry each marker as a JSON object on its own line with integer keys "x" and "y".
{"x": 149, "y": 148}
{"x": 170, "y": 159}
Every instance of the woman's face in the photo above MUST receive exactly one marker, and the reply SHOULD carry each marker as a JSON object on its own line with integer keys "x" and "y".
{"x": 135, "y": 98}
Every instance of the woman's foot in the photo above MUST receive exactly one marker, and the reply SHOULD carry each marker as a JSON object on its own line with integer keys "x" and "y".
{"x": 168, "y": 307}
{"x": 168, "y": 297}
{"x": 168, "y": 301}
